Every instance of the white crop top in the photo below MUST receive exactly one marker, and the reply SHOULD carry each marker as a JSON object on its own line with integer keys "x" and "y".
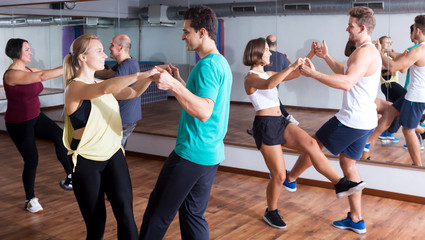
{"x": 264, "y": 98}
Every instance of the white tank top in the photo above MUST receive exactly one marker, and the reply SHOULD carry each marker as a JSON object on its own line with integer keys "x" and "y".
{"x": 358, "y": 106}
{"x": 416, "y": 87}
{"x": 264, "y": 98}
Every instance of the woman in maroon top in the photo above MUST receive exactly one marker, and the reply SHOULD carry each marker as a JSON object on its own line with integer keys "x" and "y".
{"x": 25, "y": 122}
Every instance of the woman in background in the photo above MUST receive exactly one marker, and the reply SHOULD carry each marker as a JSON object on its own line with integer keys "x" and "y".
{"x": 25, "y": 122}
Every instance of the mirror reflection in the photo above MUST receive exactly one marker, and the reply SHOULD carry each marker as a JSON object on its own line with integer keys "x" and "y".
{"x": 155, "y": 39}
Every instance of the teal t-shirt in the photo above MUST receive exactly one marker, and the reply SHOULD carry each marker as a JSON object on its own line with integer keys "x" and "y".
{"x": 202, "y": 142}
{"x": 408, "y": 70}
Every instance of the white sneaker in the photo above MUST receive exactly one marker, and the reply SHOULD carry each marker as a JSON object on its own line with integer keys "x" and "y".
{"x": 292, "y": 119}
{"x": 34, "y": 206}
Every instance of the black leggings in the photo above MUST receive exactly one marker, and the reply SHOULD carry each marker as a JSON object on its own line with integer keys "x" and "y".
{"x": 393, "y": 91}
{"x": 23, "y": 134}
{"x": 91, "y": 180}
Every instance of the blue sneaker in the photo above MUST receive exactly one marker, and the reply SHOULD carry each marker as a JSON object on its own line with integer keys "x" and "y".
{"x": 366, "y": 147}
{"x": 290, "y": 186}
{"x": 422, "y": 146}
{"x": 388, "y": 136}
{"x": 349, "y": 224}
{"x": 384, "y": 135}
{"x": 422, "y": 124}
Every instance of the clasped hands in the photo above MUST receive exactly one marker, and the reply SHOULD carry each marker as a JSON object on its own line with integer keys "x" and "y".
{"x": 305, "y": 66}
{"x": 166, "y": 76}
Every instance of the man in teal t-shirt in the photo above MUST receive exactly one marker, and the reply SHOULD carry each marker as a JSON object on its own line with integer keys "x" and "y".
{"x": 202, "y": 142}
{"x": 185, "y": 181}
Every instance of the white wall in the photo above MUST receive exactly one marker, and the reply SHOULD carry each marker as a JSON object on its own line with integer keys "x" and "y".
{"x": 165, "y": 44}
{"x": 295, "y": 34}
{"x": 46, "y": 46}
{"x": 129, "y": 27}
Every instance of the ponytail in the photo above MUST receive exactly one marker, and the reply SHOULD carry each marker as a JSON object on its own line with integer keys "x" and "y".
{"x": 69, "y": 71}
{"x": 71, "y": 63}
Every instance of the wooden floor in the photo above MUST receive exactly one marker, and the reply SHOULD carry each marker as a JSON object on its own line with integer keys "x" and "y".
{"x": 235, "y": 209}
{"x": 162, "y": 118}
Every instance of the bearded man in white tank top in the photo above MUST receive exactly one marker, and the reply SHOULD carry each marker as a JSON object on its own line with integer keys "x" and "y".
{"x": 347, "y": 132}
{"x": 410, "y": 108}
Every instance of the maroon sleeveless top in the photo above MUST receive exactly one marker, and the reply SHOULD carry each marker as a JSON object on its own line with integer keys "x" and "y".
{"x": 22, "y": 101}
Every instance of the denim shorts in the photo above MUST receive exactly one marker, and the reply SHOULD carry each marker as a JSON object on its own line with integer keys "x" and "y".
{"x": 410, "y": 112}
{"x": 338, "y": 138}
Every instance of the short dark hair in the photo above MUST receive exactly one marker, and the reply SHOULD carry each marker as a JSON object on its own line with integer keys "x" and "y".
{"x": 420, "y": 23}
{"x": 412, "y": 28}
{"x": 365, "y": 17}
{"x": 203, "y": 17}
{"x": 254, "y": 51}
{"x": 14, "y": 47}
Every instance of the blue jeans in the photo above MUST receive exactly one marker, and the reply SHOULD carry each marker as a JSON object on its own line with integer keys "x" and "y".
{"x": 184, "y": 186}
{"x": 126, "y": 131}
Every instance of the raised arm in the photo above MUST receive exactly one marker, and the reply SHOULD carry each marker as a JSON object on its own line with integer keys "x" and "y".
{"x": 361, "y": 63}
{"x": 322, "y": 52}
{"x": 19, "y": 77}
{"x": 137, "y": 89}
{"x": 296, "y": 73}
{"x": 106, "y": 73}
{"x": 253, "y": 81}
{"x": 403, "y": 62}
{"x": 78, "y": 90}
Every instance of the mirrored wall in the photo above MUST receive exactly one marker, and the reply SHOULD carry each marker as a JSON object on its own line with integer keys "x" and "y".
{"x": 296, "y": 26}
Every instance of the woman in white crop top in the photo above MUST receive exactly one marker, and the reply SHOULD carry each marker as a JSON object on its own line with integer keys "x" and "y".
{"x": 272, "y": 131}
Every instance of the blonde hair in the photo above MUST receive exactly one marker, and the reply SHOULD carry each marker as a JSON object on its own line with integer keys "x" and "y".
{"x": 71, "y": 63}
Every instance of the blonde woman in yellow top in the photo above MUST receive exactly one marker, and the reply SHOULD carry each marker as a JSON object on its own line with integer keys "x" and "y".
{"x": 389, "y": 80}
{"x": 93, "y": 135}
{"x": 390, "y": 86}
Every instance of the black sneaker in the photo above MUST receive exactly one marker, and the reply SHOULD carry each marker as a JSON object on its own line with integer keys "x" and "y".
{"x": 273, "y": 219}
{"x": 66, "y": 184}
{"x": 345, "y": 187}
{"x": 250, "y": 131}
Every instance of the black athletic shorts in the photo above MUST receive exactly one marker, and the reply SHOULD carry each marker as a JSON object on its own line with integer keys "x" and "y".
{"x": 269, "y": 130}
